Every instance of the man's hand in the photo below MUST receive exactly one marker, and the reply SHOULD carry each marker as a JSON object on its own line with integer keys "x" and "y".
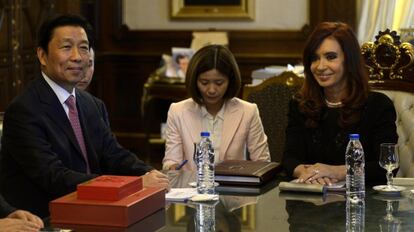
{"x": 156, "y": 178}
{"x": 13, "y": 225}
{"x": 26, "y": 216}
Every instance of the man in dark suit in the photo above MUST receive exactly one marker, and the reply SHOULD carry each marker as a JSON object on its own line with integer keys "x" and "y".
{"x": 84, "y": 84}
{"x": 53, "y": 135}
{"x": 12, "y": 219}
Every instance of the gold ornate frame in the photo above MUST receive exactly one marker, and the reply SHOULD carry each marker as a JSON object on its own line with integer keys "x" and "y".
{"x": 243, "y": 11}
{"x": 387, "y": 56}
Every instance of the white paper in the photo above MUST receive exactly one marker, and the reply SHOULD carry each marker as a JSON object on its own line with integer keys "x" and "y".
{"x": 336, "y": 186}
{"x": 180, "y": 194}
{"x": 205, "y": 197}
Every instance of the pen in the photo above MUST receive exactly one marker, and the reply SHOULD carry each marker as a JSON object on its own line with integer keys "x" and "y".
{"x": 181, "y": 165}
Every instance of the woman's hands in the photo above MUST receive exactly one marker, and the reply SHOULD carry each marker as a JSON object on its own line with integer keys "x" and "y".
{"x": 319, "y": 173}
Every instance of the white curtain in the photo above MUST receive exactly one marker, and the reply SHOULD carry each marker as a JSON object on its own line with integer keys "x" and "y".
{"x": 378, "y": 15}
{"x": 406, "y": 17}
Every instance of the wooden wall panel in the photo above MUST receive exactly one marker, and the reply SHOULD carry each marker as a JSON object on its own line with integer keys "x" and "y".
{"x": 328, "y": 10}
{"x": 18, "y": 61}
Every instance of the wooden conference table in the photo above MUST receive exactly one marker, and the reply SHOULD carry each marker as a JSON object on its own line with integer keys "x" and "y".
{"x": 268, "y": 209}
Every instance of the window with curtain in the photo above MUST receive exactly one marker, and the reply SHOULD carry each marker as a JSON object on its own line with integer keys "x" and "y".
{"x": 378, "y": 15}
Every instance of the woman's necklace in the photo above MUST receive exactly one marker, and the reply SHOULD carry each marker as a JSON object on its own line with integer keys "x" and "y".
{"x": 333, "y": 104}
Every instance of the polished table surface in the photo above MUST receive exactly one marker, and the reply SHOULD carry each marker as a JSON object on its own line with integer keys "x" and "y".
{"x": 268, "y": 209}
{"x": 285, "y": 211}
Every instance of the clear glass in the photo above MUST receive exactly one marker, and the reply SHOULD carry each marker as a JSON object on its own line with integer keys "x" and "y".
{"x": 389, "y": 160}
{"x": 389, "y": 223}
{"x": 205, "y": 220}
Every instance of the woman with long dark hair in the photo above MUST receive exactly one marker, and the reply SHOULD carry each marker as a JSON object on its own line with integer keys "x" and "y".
{"x": 335, "y": 101}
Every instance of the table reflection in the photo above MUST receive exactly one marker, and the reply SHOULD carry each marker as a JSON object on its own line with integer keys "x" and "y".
{"x": 226, "y": 214}
{"x": 205, "y": 219}
{"x": 272, "y": 210}
{"x": 230, "y": 213}
{"x": 268, "y": 209}
{"x": 308, "y": 212}
{"x": 389, "y": 222}
{"x": 355, "y": 216}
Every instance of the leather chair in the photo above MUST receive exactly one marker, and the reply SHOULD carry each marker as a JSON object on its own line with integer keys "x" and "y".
{"x": 272, "y": 97}
{"x": 391, "y": 71}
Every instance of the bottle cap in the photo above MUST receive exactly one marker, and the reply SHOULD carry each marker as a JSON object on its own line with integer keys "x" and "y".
{"x": 353, "y": 136}
{"x": 205, "y": 134}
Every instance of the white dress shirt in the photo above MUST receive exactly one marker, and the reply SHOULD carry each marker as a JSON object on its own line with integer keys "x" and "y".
{"x": 214, "y": 125}
{"x": 60, "y": 92}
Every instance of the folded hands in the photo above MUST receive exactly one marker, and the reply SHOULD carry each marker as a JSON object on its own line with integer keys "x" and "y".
{"x": 319, "y": 173}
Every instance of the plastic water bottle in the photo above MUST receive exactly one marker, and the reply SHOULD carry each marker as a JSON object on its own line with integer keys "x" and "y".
{"x": 355, "y": 169}
{"x": 355, "y": 216}
{"x": 205, "y": 165}
{"x": 205, "y": 217}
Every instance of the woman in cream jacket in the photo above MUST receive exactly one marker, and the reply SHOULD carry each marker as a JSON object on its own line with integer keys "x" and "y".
{"x": 213, "y": 80}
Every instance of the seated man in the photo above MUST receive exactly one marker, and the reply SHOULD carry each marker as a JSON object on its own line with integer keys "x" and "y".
{"x": 84, "y": 83}
{"x": 12, "y": 219}
{"x": 53, "y": 135}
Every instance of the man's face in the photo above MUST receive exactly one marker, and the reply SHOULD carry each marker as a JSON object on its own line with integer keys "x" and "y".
{"x": 183, "y": 63}
{"x": 68, "y": 57}
{"x": 84, "y": 83}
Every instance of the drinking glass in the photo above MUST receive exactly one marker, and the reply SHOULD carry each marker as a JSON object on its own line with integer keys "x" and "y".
{"x": 389, "y": 223}
{"x": 389, "y": 160}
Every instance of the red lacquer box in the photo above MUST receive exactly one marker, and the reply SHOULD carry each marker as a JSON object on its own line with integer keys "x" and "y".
{"x": 123, "y": 213}
{"x": 109, "y": 188}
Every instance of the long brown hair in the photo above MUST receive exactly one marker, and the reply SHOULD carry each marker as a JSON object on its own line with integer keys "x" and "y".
{"x": 311, "y": 95}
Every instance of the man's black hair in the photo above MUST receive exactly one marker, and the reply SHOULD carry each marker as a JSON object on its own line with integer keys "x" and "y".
{"x": 45, "y": 32}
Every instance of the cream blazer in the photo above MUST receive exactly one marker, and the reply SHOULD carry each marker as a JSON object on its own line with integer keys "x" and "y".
{"x": 242, "y": 128}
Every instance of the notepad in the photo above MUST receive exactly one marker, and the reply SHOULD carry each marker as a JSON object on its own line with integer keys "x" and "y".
{"x": 316, "y": 188}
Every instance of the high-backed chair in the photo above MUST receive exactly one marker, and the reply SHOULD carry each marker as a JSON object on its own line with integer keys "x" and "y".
{"x": 391, "y": 71}
{"x": 272, "y": 97}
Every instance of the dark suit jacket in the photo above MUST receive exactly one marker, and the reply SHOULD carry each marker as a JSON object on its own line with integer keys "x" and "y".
{"x": 41, "y": 159}
{"x": 102, "y": 108}
{"x": 5, "y": 208}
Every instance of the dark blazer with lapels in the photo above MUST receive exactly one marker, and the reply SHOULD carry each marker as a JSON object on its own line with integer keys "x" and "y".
{"x": 40, "y": 157}
{"x": 5, "y": 208}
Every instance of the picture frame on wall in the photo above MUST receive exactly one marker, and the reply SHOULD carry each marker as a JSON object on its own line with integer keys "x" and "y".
{"x": 407, "y": 35}
{"x": 212, "y": 9}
